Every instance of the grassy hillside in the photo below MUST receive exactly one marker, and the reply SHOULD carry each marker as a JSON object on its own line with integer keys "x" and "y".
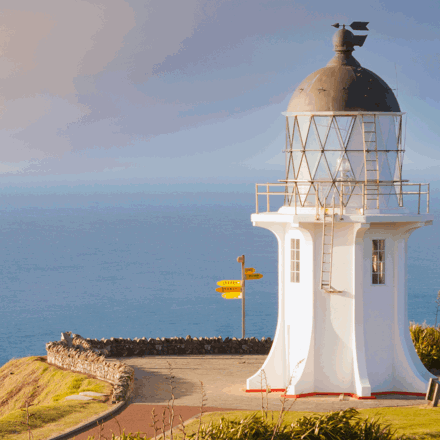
{"x": 43, "y": 387}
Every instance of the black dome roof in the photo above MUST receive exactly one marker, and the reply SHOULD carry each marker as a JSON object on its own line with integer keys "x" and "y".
{"x": 343, "y": 85}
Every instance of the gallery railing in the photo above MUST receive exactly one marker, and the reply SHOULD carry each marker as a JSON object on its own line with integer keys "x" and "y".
{"x": 348, "y": 194}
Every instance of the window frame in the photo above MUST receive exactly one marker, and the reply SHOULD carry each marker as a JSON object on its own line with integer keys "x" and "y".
{"x": 295, "y": 260}
{"x": 378, "y": 262}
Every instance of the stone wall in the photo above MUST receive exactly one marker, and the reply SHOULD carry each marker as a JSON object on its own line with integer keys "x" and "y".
{"x": 87, "y": 356}
{"x": 76, "y": 354}
{"x": 118, "y": 347}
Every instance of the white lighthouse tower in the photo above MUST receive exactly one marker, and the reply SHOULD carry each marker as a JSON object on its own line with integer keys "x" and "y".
{"x": 342, "y": 233}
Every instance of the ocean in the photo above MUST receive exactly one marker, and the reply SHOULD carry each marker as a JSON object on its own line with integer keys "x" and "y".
{"x": 134, "y": 265}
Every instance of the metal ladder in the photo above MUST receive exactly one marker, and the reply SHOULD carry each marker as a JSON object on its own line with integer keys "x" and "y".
{"x": 328, "y": 228}
{"x": 371, "y": 160}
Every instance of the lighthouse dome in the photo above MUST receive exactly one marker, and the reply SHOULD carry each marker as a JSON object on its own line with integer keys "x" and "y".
{"x": 343, "y": 85}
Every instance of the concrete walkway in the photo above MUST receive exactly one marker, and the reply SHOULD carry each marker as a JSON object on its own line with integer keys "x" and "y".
{"x": 224, "y": 381}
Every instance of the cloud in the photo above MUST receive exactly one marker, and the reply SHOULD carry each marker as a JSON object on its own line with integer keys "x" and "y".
{"x": 81, "y": 74}
{"x": 123, "y": 77}
{"x": 45, "y": 47}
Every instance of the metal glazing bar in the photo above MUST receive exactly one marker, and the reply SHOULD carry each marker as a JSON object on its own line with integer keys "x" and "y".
{"x": 295, "y": 190}
{"x": 256, "y": 197}
{"x": 332, "y": 238}
{"x": 268, "y": 202}
{"x": 363, "y": 198}
{"x": 420, "y": 189}
{"x": 341, "y": 197}
{"x": 317, "y": 202}
{"x": 427, "y": 200}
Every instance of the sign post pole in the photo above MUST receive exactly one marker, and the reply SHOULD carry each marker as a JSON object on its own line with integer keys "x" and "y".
{"x": 243, "y": 278}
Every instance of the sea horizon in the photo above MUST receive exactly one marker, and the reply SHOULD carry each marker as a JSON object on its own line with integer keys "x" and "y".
{"x": 146, "y": 265}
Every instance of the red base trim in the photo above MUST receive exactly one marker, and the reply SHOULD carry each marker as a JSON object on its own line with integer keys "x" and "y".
{"x": 274, "y": 390}
{"x": 355, "y": 396}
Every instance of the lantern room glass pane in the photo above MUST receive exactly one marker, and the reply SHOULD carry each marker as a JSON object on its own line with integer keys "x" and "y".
{"x": 290, "y": 127}
{"x": 312, "y": 159}
{"x": 344, "y": 170}
{"x": 334, "y": 141}
{"x": 397, "y": 174}
{"x": 303, "y": 123}
{"x": 333, "y": 160}
{"x": 397, "y": 125}
{"x": 356, "y": 159}
{"x": 322, "y": 125}
{"x": 304, "y": 173}
{"x": 385, "y": 171}
{"x": 296, "y": 143}
{"x": 392, "y": 161}
{"x": 312, "y": 139}
{"x": 303, "y": 190}
{"x": 333, "y": 195}
{"x": 322, "y": 172}
{"x": 296, "y": 159}
{"x": 344, "y": 124}
{"x": 388, "y": 132}
{"x": 355, "y": 142}
{"x": 323, "y": 188}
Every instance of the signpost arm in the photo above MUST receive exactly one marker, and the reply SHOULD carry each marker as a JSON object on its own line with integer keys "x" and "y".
{"x": 243, "y": 279}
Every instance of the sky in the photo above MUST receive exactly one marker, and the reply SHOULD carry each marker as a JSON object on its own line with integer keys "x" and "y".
{"x": 189, "y": 93}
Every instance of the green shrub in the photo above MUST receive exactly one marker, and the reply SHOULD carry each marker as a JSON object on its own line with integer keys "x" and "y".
{"x": 337, "y": 425}
{"x": 426, "y": 341}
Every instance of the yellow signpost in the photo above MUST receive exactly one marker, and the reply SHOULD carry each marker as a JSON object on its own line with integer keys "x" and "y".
{"x": 235, "y": 289}
{"x": 232, "y": 295}
{"x": 229, "y": 283}
{"x": 228, "y": 289}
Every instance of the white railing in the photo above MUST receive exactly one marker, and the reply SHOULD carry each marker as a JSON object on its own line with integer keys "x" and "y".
{"x": 356, "y": 195}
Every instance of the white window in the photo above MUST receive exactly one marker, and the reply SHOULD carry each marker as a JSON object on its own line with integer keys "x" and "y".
{"x": 378, "y": 262}
{"x": 294, "y": 264}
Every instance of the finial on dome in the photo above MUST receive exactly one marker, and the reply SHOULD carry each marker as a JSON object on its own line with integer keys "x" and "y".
{"x": 344, "y": 42}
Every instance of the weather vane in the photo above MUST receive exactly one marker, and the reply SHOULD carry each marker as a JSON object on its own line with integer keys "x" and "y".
{"x": 359, "y": 40}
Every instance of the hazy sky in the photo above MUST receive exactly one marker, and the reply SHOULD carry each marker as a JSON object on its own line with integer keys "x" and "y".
{"x": 191, "y": 91}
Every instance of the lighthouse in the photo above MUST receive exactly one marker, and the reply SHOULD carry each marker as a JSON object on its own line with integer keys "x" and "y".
{"x": 342, "y": 216}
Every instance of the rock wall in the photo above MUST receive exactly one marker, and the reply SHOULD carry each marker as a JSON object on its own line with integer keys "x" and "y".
{"x": 87, "y": 356}
{"x": 75, "y": 354}
{"x": 118, "y": 347}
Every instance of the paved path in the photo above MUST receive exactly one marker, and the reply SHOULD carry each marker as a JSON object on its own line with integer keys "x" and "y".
{"x": 138, "y": 418}
{"x": 224, "y": 381}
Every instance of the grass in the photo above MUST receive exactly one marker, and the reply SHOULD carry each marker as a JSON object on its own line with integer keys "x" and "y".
{"x": 43, "y": 387}
{"x": 48, "y": 420}
{"x": 412, "y": 422}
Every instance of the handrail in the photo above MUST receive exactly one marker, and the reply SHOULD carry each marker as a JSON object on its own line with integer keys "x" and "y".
{"x": 292, "y": 190}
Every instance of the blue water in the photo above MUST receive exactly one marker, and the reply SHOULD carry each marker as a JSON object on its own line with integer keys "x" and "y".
{"x": 133, "y": 265}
